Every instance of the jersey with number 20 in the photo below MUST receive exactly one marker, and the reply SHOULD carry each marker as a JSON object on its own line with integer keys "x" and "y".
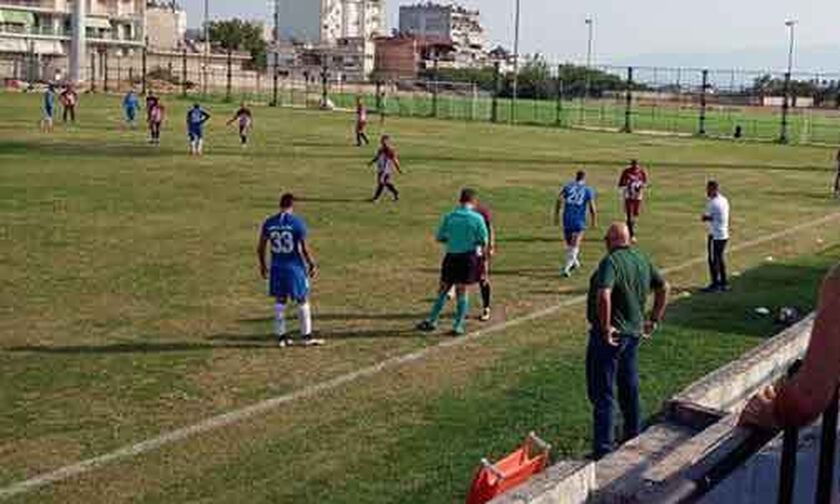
{"x": 576, "y": 196}
{"x": 284, "y": 233}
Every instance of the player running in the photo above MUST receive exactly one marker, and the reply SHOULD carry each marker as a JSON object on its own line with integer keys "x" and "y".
{"x": 49, "y": 109}
{"x": 386, "y": 161}
{"x": 196, "y": 118}
{"x": 484, "y": 258}
{"x": 245, "y": 120}
{"x": 463, "y": 232}
{"x": 633, "y": 182}
{"x": 292, "y": 265}
{"x": 69, "y": 99}
{"x": 131, "y": 105}
{"x": 361, "y": 122}
{"x": 575, "y": 199}
{"x": 156, "y": 114}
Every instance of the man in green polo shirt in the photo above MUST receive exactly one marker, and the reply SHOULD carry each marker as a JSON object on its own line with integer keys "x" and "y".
{"x": 618, "y": 294}
{"x": 465, "y": 236}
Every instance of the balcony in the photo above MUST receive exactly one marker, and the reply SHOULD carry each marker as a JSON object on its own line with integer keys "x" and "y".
{"x": 48, "y": 32}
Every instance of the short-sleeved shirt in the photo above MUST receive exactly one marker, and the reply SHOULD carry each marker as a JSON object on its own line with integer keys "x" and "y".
{"x": 361, "y": 114}
{"x": 196, "y": 118}
{"x": 156, "y": 113}
{"x": 576, "y": 199}
{"x": 487, "y": 215}
{"x": 463, "y": 231}
{"x": 244, "y": 116}
{"x": 385, "y": 159}
{"x": 718, "y": 210}
{"x": 284, "y": 233}
{"x": 631, "y": 276}
{"x": 634, "y": 183}
{"x": 131, "y": 102}
{"x": 69, "y": 98}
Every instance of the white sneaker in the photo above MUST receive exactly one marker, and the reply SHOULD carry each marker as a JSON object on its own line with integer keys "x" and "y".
{"x": 308, "y": 341}
{"x": 485, "y": 315}
{"x": 566, "y": 273}
{"x": 283, "y": 342}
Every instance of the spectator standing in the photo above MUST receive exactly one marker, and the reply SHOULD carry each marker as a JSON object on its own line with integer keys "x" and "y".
{"x": 716, "y": 218}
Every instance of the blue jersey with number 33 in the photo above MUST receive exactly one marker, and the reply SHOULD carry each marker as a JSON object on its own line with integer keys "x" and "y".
{"x": 576, "y": 196}
{"x": 284, "y": 233}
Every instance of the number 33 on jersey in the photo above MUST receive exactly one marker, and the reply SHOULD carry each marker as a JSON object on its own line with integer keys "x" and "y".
{"x": 284, "y": 233}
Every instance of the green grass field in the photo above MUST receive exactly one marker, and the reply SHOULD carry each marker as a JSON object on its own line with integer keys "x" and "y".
{"x": 131, "y": 303}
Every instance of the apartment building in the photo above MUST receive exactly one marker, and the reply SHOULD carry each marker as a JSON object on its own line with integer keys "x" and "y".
{"x": 450, "y": 22}
{"x": 36, "y": 35}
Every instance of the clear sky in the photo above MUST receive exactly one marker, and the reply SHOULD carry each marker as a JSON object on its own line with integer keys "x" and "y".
{"x": 651, "y": 31}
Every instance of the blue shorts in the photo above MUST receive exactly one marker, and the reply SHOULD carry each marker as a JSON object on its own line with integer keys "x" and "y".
{"x": 130, "y": 114}
{"x": 290, "y": 283}
{"x": 195, "y": 134}
{"x": 49, "y": 112}
{"x": 572, "y": 228}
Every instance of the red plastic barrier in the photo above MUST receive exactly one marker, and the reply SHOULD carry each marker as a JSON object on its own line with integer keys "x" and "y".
{"x": 492, "y": 480}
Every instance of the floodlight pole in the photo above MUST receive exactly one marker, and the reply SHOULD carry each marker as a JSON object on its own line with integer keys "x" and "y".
{"x": 515, "y": 64}
{"x": 206, "y": 41}
{"x": 590, "y": 23}
{"x": 783, "y": 137}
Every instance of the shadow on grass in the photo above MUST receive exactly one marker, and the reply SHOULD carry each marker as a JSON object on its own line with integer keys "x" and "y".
{"x": 118, "y": 348}
{"x": 344, "y": 317}
{"x": 769, "y": 286}
{"x": 327, "y": 334}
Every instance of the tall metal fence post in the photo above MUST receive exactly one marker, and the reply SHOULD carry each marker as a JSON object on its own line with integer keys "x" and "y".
{"x": 229, "y": 77}
{"x": 828, "y": 443}
{"x": 184, "y": 75}
{"x": 704, "y": 88}
{"x": 628, "y": 110}
{"x": 143, "y": 63}
{"x": 379, "y": 103}
{"x": 105, "y": 71}
{"x": 783, "y": 137}
{"x": 558, "y": 120}
{"x": 325, "y": 92}
{"x": 274, "y": 78}
{"x": 435, "y": 88}
{"x": 497, "y": 84}
{"x": 93, "y": 72}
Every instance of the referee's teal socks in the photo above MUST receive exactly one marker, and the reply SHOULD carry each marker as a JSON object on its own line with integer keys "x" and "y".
{"x": 463, "y": 308}
{"x": 437, "y": 308}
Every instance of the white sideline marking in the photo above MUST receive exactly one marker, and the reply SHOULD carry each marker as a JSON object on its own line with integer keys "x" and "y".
{"x": 236, "y": 416}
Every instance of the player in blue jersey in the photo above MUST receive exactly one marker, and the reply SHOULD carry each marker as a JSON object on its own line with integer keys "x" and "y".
{"x": 575, "y": 199}
{"x": 196, "y": 117}
{"x": 292, "y": 266}
{"x": 50, "y": 98}
{"x": 131, "y": 105}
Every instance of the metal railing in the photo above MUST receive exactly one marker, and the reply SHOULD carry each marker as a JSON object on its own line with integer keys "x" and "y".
{"x": 718, "y": 465}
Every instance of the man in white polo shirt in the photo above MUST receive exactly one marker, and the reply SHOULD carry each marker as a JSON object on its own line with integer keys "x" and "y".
{"x": 717, "y": 220}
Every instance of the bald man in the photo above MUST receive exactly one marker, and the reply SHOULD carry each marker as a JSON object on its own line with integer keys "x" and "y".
{"x": 618, "y": 293}
{"x": 800, "y": 401}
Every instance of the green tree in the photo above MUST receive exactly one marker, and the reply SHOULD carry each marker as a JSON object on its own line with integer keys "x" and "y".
{"x": 239, "y": 35}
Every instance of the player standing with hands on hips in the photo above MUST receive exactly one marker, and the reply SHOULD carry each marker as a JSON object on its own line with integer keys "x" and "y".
{"x": 196, "y": 118}
{"x": 292, "y": 265}
{"x": 386, "y": 161}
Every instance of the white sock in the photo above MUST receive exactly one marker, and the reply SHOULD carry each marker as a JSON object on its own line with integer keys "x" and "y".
{"x": 576, "y": 256}
{"x": 305, "y": 314}
{"x": 280, "y": 320}
{"x": 570, "y": 258}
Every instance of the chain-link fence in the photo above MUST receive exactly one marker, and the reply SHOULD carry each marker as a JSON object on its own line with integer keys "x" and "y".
{"x": 765, "y": 106}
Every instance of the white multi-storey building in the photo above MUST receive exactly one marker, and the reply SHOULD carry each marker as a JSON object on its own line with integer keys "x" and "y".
{"x": 458, "y": 25}
{"x": 342, "y": 30}
{"x": 38, "y": 34}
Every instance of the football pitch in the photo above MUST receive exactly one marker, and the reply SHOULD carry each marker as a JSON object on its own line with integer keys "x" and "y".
{"x": 131, "y": 303}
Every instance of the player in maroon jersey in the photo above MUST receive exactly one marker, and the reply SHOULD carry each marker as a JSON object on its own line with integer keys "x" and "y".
{"x": 361, "y": 122}
{"x": 837, "y": 177}
{"x": 633, "y": 182}
{"x": 386, "y": 161}
{"x": 484, "y": 261}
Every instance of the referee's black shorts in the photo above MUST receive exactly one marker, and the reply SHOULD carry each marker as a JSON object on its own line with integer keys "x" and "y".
{"x": 461, "y": 269}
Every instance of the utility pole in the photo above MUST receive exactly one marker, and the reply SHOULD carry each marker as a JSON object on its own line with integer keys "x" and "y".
{"x": 590, "y": 23}
{"x": 515, "y": 63}
{"x": 206, "y": 42}
{"x": 783, "y": 136}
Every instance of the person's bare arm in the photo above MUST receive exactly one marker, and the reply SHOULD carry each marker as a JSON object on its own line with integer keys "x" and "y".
{"x": 660, "y": 303}
{"x": 605, "y": 316}
{"x": 397, "y": 164}
{"x": 804, "y": 397}
{"x": 558, "y": 207}
{"x": 310, "y": 260}
{"x": 593, "y": 213}
{"x": 261, "y": 246}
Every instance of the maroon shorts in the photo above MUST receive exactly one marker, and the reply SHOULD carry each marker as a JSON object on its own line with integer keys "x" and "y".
{"x": 384, "y": 178}
{"x": 633, "y": 207}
